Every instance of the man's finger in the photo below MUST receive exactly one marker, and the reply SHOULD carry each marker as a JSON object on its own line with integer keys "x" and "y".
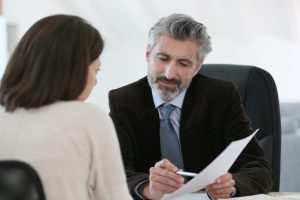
{"x": 162, "y": 175}
{"x": 165, "y": 163}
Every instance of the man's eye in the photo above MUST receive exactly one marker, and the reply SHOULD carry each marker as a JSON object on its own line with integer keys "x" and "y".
{"x": 163, "y": 58}
{"x": 184, "y": 64}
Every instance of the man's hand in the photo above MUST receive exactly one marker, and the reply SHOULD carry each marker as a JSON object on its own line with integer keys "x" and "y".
{"x": 163, "y": 179}
{"x": 222, "y": 187}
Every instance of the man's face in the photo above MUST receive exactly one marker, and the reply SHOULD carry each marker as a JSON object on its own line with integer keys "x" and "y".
{"x": 172, "y": 64}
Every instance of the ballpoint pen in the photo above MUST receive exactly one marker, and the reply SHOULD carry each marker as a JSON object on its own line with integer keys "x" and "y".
{"x": 183, "y": 173}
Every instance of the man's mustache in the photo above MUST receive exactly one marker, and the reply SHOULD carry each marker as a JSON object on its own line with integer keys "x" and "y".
{"x": 164, "y": 79}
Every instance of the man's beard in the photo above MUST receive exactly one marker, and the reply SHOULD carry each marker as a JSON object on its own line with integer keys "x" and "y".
{"x": 166, "y": 93}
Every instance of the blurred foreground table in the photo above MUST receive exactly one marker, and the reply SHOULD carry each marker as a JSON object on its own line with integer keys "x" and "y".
{"x": 269, "y": 196}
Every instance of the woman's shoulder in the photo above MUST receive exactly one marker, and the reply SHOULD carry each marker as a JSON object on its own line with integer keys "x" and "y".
{"x": 75, "y": 106}
{"x": 75, "y": 110}
{"x": 77, "y": 115}
{"x": 79, "y": 105}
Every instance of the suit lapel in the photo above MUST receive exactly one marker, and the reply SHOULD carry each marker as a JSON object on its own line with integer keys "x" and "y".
{"x": 188, "y": 106}
{"x": 150, "y": 118}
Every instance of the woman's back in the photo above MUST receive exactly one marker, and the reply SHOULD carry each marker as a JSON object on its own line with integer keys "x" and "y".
{"x": 72, "y": 145}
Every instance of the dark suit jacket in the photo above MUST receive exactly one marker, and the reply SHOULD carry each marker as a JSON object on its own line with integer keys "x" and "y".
{"x": 212, "y": 116}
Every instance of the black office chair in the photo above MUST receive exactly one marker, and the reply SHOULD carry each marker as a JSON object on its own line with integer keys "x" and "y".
{"x": 260, "y": 99}
{"x": 19, "y": 181}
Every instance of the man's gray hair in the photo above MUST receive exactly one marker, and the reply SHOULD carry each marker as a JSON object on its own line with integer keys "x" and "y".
{"x": 182, "y": 27}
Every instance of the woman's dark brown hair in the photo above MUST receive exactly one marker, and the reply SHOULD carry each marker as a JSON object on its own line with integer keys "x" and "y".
{"x": 50, "y": 63}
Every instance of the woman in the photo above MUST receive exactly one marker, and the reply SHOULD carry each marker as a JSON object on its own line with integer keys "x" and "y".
{"x": 43, "y": 120}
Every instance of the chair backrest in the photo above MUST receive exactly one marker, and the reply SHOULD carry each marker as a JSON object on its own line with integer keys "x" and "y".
{"x": 19, "y": 181}
{"x": 260, "y": 99}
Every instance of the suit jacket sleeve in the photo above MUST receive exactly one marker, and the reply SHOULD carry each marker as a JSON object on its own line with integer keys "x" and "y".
{"x": 251, "y": 171}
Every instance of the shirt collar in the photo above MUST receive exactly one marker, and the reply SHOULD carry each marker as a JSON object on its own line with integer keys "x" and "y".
{"x": 177, "y": 101}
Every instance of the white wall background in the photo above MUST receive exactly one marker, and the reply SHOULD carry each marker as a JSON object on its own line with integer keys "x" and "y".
{"x": 265, "y": 33}
{"x": 3, "y": 49}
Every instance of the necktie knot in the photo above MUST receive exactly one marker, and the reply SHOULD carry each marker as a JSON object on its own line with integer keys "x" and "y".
{"x": 166, "y": 110}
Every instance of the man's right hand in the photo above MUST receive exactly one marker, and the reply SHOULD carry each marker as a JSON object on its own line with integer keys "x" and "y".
{"x": 162, "y": 179}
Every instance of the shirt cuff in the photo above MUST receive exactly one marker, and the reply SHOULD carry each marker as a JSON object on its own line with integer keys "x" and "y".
{"x": 234, "y": 193}
{"x": 138, "y": 189}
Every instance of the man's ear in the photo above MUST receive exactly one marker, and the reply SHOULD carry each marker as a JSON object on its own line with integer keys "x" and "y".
{"x": 148, "y": 52}
{"x": 198, "y": 66}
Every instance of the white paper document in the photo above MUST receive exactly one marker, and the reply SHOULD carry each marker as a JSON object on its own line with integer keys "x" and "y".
{"x": 214, "y": 170}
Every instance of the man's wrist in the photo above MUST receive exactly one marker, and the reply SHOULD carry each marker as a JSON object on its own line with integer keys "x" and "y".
{"x": 235, "y": 193}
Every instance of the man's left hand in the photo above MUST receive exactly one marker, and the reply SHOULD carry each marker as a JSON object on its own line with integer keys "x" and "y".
{"x": 222, "y": 187}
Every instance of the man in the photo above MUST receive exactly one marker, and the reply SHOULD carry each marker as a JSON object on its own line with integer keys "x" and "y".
{"x": 207, "y": 116}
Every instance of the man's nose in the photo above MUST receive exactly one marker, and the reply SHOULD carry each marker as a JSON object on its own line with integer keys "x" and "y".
{"x": 170, "y": 70}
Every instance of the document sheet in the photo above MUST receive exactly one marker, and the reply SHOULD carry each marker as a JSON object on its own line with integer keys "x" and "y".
{"x": 215, "y": 169}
